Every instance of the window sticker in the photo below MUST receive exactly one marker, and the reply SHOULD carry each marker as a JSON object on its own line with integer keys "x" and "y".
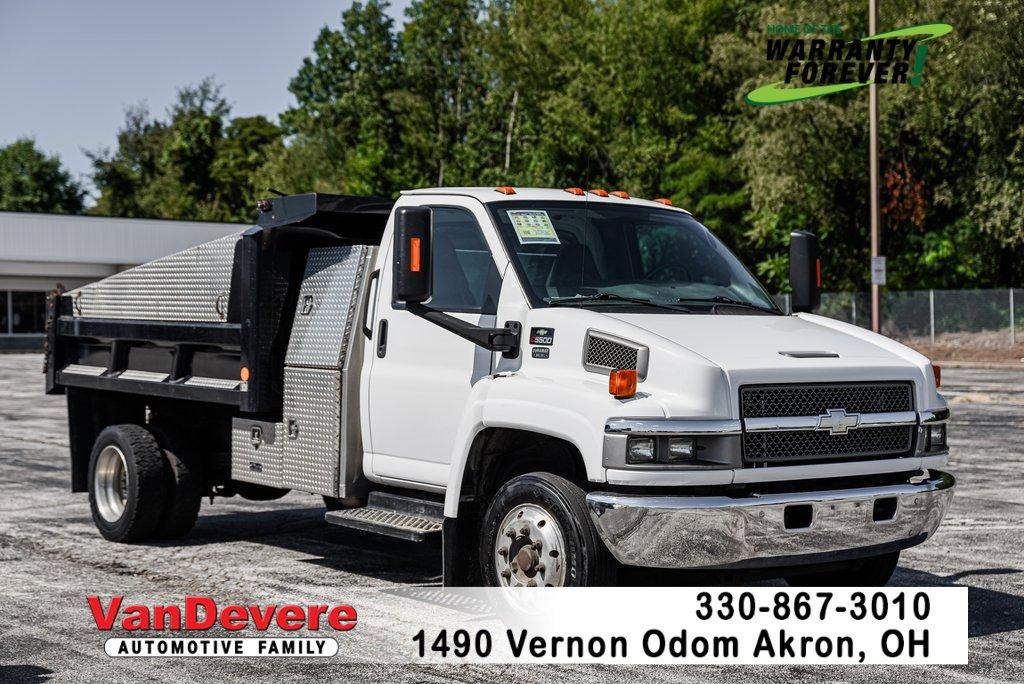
{"x": 533, "y": 227}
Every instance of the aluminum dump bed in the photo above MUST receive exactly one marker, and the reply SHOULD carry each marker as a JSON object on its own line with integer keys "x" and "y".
{"x": 264, "y": 324}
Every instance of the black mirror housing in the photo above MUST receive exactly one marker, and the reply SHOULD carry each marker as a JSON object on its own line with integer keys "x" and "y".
{"x": 411, "y": 265}
{"x": 804, "y": 271}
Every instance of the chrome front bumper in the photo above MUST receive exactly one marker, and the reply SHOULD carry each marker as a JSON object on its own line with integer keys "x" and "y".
{"x": 752, "y": 531}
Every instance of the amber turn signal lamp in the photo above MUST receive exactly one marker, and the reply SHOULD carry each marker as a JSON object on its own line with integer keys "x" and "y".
{"x": 414, "y": 255}
{"x": 664, "y": 200}
{"x": 599, "y": 192}
{"x": 622, "y": 383}
{"x": 621, "y": 194}
{"x": 505, "y": 190}
{"x": 574, "y": 191}
{"x": 937, "y": 372}
{"x": 244, "y": 374}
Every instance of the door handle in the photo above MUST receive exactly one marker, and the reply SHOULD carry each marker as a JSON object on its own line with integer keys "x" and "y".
{"x": 382, "y": 339}
{"x": 366, "y": 303}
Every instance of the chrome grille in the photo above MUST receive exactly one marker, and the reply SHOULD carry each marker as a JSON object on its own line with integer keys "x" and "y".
{"x": 770, "y": 401}
{"x": 608, "y": 354}
{"x": 814, "y": 401}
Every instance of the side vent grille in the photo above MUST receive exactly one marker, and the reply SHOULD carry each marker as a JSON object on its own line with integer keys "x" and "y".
{"x": 603, "y": 353}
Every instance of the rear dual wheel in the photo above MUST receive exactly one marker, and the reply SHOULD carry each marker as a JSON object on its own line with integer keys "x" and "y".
{"x": 139, "y": 489}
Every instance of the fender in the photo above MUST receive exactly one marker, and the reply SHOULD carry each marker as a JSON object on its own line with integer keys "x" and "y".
{"x": 574, "y": 412}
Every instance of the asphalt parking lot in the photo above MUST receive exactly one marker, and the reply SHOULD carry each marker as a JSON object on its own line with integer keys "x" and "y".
{"x": 51, "y": 558}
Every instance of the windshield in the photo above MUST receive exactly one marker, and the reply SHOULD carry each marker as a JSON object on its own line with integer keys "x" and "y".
{"x": 602, "y": 254}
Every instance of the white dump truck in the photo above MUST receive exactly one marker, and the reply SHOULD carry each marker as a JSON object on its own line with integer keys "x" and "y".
{"x": 558, "y": 382}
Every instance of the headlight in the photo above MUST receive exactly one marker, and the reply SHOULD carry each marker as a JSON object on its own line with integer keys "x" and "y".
{"x": 640, "y": 450}
{"x": 935, "y": 437}
{"x": 681, "y": 449}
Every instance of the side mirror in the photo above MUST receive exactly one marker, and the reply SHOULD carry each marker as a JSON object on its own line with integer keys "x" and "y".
{"x": 804, "y": 271}
{"x": 411, "y": 271}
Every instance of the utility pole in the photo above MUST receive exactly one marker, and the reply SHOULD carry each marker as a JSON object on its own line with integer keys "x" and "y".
{"x": 873, "y": 145}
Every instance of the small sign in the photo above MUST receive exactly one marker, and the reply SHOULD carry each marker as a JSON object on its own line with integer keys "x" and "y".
{"x": 541, "y": 352}
{"x": 533, "y": 227}
{"x": 878, "y": 270}
{"x": 544, "y": 336}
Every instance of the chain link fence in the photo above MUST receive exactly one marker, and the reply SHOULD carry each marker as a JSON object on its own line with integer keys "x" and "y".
{"x": 980, "y": 318}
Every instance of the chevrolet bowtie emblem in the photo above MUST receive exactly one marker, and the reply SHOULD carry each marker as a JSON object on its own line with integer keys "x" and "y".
{"x": 838, "y": 421}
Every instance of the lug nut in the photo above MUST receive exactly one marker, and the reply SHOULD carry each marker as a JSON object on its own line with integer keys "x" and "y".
{"x": 510, "y": 534}
{"x": 531, "y": 583}
{"x": 506, "y": 574}
{"x": 525, "y": 531}
{"x": 514, "y": 565}
{"x": 540, "y": 567}
{"x": 536, "y": 546}
{"x": 502, "y": 552}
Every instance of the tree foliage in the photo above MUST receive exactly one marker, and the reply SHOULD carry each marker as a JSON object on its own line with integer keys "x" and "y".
{"x": 642, "y": 95}
{"x": 195, "y": 164}
{"x": 32, "y": 181}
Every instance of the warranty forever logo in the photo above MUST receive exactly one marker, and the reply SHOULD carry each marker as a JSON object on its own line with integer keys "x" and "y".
{"x": 826, "y": 67}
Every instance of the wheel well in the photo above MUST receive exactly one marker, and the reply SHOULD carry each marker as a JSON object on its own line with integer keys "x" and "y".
{"x": 500, "y": 454}
{"x": 89, "y": 411}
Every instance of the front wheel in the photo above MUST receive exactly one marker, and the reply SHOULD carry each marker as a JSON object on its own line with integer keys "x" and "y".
{"x": 537, "y": 532}
{"x": 875, "y": 571}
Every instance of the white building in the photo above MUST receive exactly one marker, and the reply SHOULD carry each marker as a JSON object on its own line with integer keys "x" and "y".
{"x": 38, "y": 251}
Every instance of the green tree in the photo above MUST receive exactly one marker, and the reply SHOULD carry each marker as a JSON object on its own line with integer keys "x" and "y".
{"x": 343, "y": 136}
{"x": 32, "y": 181}
{"x": 196, "y": 164}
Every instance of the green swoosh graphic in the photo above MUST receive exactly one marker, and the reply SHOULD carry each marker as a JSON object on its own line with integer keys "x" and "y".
{"x": 774, "y": 93}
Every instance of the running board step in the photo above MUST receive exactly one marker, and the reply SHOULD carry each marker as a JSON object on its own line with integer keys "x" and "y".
{"x": 393, "y": 515}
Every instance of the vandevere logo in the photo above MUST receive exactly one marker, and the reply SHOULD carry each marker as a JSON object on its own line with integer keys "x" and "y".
{"x": 823, "y": 67}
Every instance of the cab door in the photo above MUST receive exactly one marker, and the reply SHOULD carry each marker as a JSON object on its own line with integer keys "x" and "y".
{"x": 420, "y": 374}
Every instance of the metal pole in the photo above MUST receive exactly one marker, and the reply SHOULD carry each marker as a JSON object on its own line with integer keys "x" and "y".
{"x": 931, "y": 314}
{"x": 10, "y": 313}
{"x": 1013, "y": 330}
{"x": 872, "y": 28}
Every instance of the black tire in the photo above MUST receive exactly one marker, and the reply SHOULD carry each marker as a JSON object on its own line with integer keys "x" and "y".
{"x": 184, "y": 484}
{"x": 145, "y": 483}
{"x": 875, "y": 571}
{"x": 588, "y": 562}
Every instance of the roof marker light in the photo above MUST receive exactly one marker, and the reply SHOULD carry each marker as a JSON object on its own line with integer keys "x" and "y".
{"x": 621, "y": 194}
{"x": 574, "y": 191}
{"x": 664, "y": 200}
{"x": 599, "y": 192}
{"x": 505, "y": 190}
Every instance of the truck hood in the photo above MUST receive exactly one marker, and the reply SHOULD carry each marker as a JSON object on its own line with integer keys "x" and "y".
{"x": 803, "y": 347}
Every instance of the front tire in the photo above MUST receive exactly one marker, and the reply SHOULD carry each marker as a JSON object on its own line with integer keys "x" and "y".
{"x": 875, "y": 571}
{"x": 537, "y": 532}
{"x": 127, "y": 483}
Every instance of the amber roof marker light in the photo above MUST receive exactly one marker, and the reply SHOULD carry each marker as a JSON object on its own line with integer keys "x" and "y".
{"x": 664, "y": 200}
{"x": 621, "y": 194}
{"x": 575, "y": 191}
{"x": 599, "y": 192}
{"x": 505, "y": 190}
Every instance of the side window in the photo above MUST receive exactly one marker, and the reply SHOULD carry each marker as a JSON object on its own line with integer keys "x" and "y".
{"x": 464, "y": 278}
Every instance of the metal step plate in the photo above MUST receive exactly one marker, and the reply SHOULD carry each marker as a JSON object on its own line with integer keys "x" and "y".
{"x": 393, "y": 516}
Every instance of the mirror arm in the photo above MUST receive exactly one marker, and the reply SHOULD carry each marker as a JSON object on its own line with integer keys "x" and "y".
{"x": 504, "y": 340}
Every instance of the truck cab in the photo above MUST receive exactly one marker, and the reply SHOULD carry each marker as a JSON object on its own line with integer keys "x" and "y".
{"x": 559, "y": 382}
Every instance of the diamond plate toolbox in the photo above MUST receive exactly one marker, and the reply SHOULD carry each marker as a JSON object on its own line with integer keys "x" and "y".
{"x": 327, "y": 307}
{"x": 192, "y": 285}
{"x": 312, "y": 430}
{"x": 256, "y": 451}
